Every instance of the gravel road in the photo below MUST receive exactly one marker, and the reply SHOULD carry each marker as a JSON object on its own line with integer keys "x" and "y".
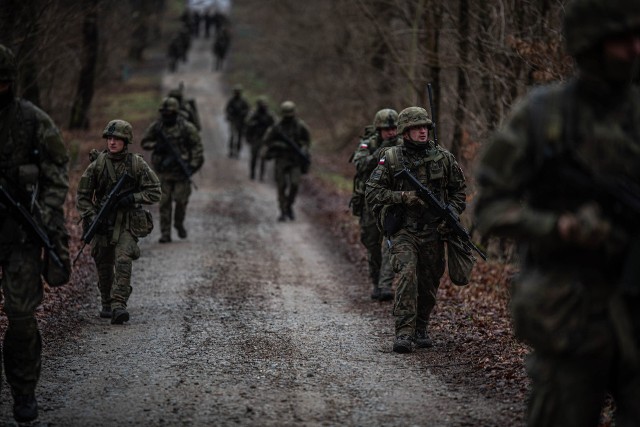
{"x": 248, "y": 321}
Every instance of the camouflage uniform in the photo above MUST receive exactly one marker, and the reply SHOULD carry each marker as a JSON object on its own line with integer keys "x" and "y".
{"x": 115, "y": 246}
{"x": 538, "y": 182}
{"x": 259, "y": 121}
{"x": 236, "y": 112}
{"x": 417, "y": 251}
{"x": 32, "y": 155}
{"x": 366, "y": 159}
{"x": 187, "y": 107}
{"x": 176, "y": 186}
{"x": 288, "y": 167}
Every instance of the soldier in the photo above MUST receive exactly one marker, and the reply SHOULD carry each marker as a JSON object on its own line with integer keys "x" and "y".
{"x": 174, "y": 53}
{"x": 33, "y": 170}
{"x": 290, "y": 164}
{"x": 259, "y": 121}
{"x": 236, "y": 111}
{"x": 417, "y": 251}
{"x": 366, "y": 159}
{"x": 176, "y": 155}
{"x": 187, "y": 107}
{"x": 115, "y": 245}
{"x": 562, "y": 175}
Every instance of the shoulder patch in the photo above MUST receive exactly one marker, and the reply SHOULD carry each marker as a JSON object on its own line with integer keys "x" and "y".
{"x": 381, "y": 161}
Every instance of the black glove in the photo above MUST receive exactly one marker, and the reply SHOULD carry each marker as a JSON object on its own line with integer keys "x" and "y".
{"x": 126, "y": 202}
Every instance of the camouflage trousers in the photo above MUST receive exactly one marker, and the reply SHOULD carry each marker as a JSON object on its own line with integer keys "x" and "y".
{"x": 569, "y": 390}
{"x": 418, "y": 261}
{"x": 378, "y": 256}
{"x": 23, "y": 291}
{"x": 177, "y": 191}
{"x": 287, "y": 176}
{"x": 253, "y": 161}
{"x": 114, "y": 263}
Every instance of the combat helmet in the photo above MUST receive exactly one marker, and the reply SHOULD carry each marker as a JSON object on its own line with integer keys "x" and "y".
{"x": 588, "y": 22}
{"x": 7, "y": 64}
{"x": 119, "y": 129}
{"x": 288, "y": 109}
{"x": 169, "y": 105}
{"x": 385, "y": 118}
{"x": 413, "y": 116}
{"x": 237, "y": 88}
{"x": 261, "y": 101}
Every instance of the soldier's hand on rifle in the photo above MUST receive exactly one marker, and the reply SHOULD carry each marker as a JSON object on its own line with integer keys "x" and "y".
{"x": 411, "y": 199}
{"x": 586, "y": 227}
{"x": 126, "y": 202}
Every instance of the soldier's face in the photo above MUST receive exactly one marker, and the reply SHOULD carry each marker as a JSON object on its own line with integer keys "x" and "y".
{"x": 419, "y": 133}
{"x": 115, "y": 145}
{"x": 388, "y": 133}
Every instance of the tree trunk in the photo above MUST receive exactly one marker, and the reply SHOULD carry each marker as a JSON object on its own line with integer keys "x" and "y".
{"x": 84, "y": 94}
{"x": 463, "y": 47}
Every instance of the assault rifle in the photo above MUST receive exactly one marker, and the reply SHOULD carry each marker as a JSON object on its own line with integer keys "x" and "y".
{"x": 102, "y": 218}
{"x": 27, "y": 219}
{"x": 175, "y": 154}
{"x": 306, "y": 161}
{"x": 442, "y": 210}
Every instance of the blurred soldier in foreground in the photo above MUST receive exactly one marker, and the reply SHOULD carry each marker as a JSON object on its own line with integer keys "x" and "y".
{"x": 259, "y": 121}
{"x": 563, "y": 176}
{"x": 177, "y": 154}
{"x": 236, "y": 112}
{"x": 33, "y": 172}
{"x": 122, "y": 222}
{"x": 366, "y": 159}
{"x": 417, "y": 251}
{"x": 288, "y": 142}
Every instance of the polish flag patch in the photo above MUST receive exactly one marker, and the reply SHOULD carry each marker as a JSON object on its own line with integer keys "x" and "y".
{"x": 364, "y": 145}
{"x": 381, "y": 162}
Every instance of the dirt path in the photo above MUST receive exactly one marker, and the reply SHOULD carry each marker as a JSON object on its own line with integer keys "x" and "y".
{"x": 246, "y": 322}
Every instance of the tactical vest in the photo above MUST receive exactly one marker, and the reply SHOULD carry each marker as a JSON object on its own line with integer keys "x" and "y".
{"x": 430, "y": 170}
{"x": 104, "y": 169}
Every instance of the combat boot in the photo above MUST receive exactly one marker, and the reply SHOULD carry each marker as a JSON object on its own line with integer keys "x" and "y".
{"x": 375, "y": 295}
{"x": 25, "y": 407}
{"x": 282, "y": 217}
{"x": 290, "y": 214}
{"x": 403, "y": 344}
{"x": 165, "y": 238}
{"x": 105, "y": 313}
{"x": 182, "y": 232}
{"x": 386, "y": 294}
{"x": 119, "y": 316}
{"x": 422, "y": 340}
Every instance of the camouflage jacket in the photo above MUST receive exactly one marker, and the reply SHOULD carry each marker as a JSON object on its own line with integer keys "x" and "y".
{"x": 182, "y": 135}
{"x": 236, "y": 110}
{"x": 434, "y": 167}
{"x": 259, "y": 121}
{"x": 524, "y": 171}
{"x": 33, "y": 156}
{"x": 297, "y": 131}
{"x": 103, "y": 173}
{"x": 365, "y": 159}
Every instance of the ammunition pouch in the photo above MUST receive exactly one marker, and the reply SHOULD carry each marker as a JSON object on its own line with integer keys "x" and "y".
{"x": 460, "y": 261}
{"x": 140, "y": 222}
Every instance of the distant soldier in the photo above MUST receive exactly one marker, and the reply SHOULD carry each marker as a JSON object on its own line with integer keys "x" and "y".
{"x": 188, "y": 108}
{"x": 236, "y": 111}
{"x": 563, "y": 175}
{"x": 221, "y": 47}
{"x": 366, "y": 159}
{"x": 195, "y": 23}
{"x": 177, "y": 154}
{"x": 33, "y": 171}
{"x": 174, "y": 53}
{"x": 417, "y": 251}
{"x": 287, "y": 142}
{"x": 115, "y": 245}
{"x": 259, "y": 121}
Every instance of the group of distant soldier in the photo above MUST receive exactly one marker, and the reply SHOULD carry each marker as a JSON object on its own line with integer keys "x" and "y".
{"x": 562, "y": 176}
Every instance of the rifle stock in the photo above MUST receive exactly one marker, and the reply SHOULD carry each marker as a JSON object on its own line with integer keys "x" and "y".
{"x": 442, "y": 210}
